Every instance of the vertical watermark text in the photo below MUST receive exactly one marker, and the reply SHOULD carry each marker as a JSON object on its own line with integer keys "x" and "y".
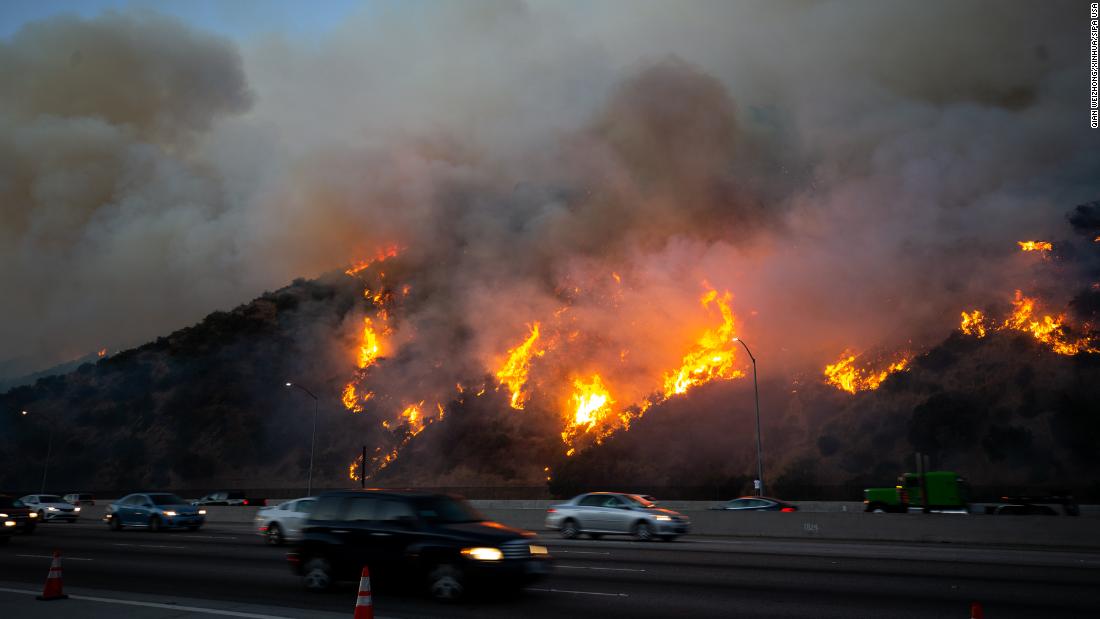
{"x": 1094, "y": 68}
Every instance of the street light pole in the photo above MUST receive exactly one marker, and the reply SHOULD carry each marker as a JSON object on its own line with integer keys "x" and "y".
{"x": 49, "y": 450}
{"x": 756, "y": 393}
{"x": 313, "y": 436}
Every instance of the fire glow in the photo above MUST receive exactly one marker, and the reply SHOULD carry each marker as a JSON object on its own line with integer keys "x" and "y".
{"x": 1052, "y": 331}
{"x": 1040, "y": 246}
{"x": 513, "y": 373}
{"x": 846, "y": 375}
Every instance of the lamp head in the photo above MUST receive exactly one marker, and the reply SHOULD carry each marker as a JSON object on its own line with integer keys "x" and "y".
{"x": 289, "y": 384}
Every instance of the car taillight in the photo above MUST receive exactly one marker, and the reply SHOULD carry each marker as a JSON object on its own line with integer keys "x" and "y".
{"x": 551, "y": 510}
{"x": 246, "y": 501}
{"x": 788, "y": 509}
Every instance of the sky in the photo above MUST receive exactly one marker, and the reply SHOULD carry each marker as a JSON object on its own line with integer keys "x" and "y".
{"x": 237, "y": 19}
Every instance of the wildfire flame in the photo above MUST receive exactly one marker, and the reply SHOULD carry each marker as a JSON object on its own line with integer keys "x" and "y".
{"x": 361, "y": 265}
{"x": 973, "y": 323}
{"x": 590, "y": 403}
{"x": 370, "y": 347}
{"x": 1050, "y": 330}
{"x": 1035, "y": 245}
{"x": 845, "y": 375}
{"x": 714, "y": 352}
{"x": 513, "y": 373}
{"x": 102, "y": 352}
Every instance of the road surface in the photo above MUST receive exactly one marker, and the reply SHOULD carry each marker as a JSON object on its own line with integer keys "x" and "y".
{"x": 692, "y": 577}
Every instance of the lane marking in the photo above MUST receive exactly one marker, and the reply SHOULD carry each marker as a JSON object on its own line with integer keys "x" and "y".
{"x": 602, "y": 569}
{"x": 582, "y": 552}
{"x": 178, "y": 607}
{"x": 66, "y": 558}
{"x": 211, "y": 537}
{"x": 617, "y": 595}
{"x": 152, "y": 546}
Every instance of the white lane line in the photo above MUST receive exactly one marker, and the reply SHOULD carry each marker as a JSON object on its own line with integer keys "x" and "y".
{"x": 65, "y": 558}
{"x": 151, "y": 546}
{"x": 582, "y": 552}
{"x": 617, "y": 595}
{"x": 178, "y": 607}
{"x": 601, "y": 569}
{"x": 211, "y": 537}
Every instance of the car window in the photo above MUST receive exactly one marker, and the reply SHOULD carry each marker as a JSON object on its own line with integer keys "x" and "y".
{"x": 391, "y": 510}
{"x": 639, "y": 500}
{"x": 220, "y": 496}
{"x": 166, "y": 499}
{"x": 447, "y": 510}
{"x": 595, "y": 500}
{"x": 306, "y": 506}
{"x": 288, "y": 506}
{"x": 736, "y": 503}
{"x": 612, "y": 501}
{"x": 328, "y": 508}
{"x": 134, "y": 499}
{"x": 49, "y": 498}
{"x": 361, "y": 508}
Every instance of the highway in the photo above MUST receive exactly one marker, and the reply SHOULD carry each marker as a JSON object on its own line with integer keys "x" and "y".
{"x": 692, "y": 577}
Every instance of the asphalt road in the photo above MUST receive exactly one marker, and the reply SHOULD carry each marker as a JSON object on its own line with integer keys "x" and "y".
{"x": 693, "y": 577}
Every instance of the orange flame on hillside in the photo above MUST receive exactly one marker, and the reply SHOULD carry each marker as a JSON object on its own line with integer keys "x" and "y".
{"x": 713, "y": 355}
{"x": 1050, "y": 330}
{"x": 513, "y": 373}
{"x": 590, "y": 404}
{"x": 102, "y": 352}
{"x": 383, "y": 254}
{"x": 845, "y": 375}
{"x": 1035, "y": 245}
{"x": 973, "y": 323}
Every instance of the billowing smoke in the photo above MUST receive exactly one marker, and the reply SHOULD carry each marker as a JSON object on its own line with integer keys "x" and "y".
{"x": 854, "y": 173}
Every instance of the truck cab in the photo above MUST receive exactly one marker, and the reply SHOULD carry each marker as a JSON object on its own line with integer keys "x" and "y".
{"x": 946, "y": 491}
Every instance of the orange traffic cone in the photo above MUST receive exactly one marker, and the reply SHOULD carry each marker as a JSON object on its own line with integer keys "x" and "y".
{"x": 364, "y": 607}
{"x": 976, "y": 610}
{"x": 52, "y": 591}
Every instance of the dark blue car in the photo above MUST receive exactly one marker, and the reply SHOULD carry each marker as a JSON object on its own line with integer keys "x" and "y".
{"x": 155, "y": 511}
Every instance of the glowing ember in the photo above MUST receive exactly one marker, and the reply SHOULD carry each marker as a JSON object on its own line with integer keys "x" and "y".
{"x": 973, "y": 323}
{"x": 360, "y": 265}
{"x": 713, "y": 355}
{"x": 844, "y": 374}
{"x": 102, "y": 352}
{"x": 1035, "y": 245}
{"x": 513, "y": 373}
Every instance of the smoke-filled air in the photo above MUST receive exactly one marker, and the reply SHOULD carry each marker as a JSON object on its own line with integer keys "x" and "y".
{"x": 584, "y": 208}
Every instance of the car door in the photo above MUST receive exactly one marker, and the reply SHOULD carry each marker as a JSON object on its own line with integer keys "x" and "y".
{"x": 297, "y": 514}
{"x": 360, "y": 545}
{"x": 618, "y": 515}
{"x": 392, "y": 531}
{"x": 589, "y": 513}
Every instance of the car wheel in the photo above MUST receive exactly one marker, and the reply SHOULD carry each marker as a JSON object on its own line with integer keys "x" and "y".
{"x": 154, "y": 524}
{"x": 446, "y": 583}
{"x": 643, "y": 532}
{"x": 274, "y": 534}
{"x": 595, "y": 535}
{"x": 317, "y": 575}
{"x": 115, "y": 524}
{"x": 569, "y": 529}
{"x": 878, "y": 510}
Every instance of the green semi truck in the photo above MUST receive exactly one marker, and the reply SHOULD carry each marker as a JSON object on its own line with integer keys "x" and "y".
{"x": 945, "y": 491}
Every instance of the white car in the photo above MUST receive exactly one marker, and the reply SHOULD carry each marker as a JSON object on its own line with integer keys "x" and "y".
{"x": 51, "y": 507}
{"x": 284, "y": 522}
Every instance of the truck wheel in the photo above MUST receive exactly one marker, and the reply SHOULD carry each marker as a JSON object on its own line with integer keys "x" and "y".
{"x": 642, "y": 532}
{"x": 446, "y": 583}
{"x": 569, "y": 528}
{"x": 317, "y": 575}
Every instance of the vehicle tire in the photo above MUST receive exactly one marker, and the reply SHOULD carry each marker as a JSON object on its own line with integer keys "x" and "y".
{"x": 595, "y": 535}
{"x": 878, "y": 510}
{"x": 569, "y": 529}
{"x": 274, "y": 535}
{"x": 115, "y": 524}
{"x": 317, "y": 575}
{"x": 642, "y": 531}
{"x": 154, "y": 524}
{"x": 446, "y": 583}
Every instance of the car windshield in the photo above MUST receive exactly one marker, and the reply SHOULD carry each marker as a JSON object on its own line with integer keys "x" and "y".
{"x": 447, "y": 510}
{"x": 166, "y": 499}
{"x": 637, "y": 500}
{"x": 49, "y": 498}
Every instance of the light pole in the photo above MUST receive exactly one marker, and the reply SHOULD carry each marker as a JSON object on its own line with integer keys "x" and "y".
{"x": 49, "y": 450}
{"x": 313, "y": 437}
{"x": 759, "y": 449}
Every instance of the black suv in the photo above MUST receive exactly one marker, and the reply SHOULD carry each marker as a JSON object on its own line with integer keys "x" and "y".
{"x": 413, "y": 537}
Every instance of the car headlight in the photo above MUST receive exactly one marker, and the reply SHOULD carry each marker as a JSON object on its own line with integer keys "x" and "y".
{"x": 539, "y": 550}
{"x": 51, "y": 509}
{"x": 76, "y": 509}
{"x": 9, "y": 523}
{"x": 3, "y": 515}
{"x": 169, "y": 513}
{"x": 662, "y": 518}
{"x": 202, "y": 512}
{"x": 32, "y": 515}
{"x": 483, "y": 553}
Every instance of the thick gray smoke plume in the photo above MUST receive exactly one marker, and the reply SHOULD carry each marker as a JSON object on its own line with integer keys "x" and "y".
{"x": 854, "y": 173}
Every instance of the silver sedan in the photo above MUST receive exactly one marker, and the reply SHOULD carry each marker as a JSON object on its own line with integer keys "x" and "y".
{"x": 284, "y": 522}
{"x": 602, "y": 513}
